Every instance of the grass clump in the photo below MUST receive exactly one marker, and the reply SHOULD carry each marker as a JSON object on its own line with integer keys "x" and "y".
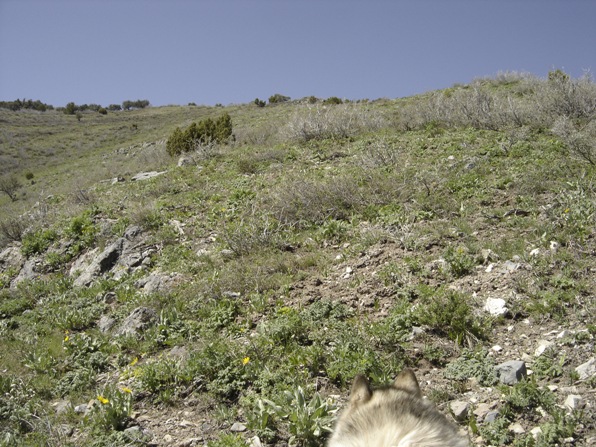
{"x": 473, "y": 364}
{"x": 449, "y": 313}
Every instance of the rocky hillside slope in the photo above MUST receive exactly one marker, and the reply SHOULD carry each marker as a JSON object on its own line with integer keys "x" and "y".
{"x": 229, "y": 297}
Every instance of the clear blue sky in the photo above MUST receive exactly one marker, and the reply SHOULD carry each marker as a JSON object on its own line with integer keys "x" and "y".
{"x": 232, "y": 51}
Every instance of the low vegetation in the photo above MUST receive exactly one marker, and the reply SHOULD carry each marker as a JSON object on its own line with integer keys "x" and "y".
{"x": 301, "y": 243}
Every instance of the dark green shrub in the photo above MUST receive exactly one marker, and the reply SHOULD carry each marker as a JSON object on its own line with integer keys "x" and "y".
{"x": 259, "y": 103}
{"x": 333, "y": 100}
{"x": 277, "y": 98}
{"x": 447, "y": 312}
{"x": 138, "y": 104}
{"x": 176, "y": 143}
{"x": 70, "y": 108}
{"x": 102, "y": 111}
{"x": 205, "y": 132}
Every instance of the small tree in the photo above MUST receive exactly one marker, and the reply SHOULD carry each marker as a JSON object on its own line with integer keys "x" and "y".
{"x": 10, "y": 185}
{"x": 175, "y": 144}
{"x": 278, "y": 98}
{"x": 205, "y": 132}
{"x": 259, "y": 103}
{"x": 70, "y": 108}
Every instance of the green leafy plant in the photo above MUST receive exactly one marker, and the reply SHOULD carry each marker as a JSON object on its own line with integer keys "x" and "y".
{"x": 308, "y": 420}
{"x": 38, "y": 241}
{"x": 473, "y": 364}
{"x": 112, "y": 408}
{"x": 459, "y": 262}
{"x": 228, "y": 440}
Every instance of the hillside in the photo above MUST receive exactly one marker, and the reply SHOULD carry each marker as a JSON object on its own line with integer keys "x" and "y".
{"x": 229, "y": 297}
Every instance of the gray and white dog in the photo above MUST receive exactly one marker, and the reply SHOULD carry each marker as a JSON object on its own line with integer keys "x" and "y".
{"x": 393, "y": 416}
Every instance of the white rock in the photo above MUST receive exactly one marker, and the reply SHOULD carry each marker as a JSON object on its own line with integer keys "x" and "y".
{"x": 574, "y": 402}
{"x": 238, "y": 427}
{"x": 535, "y": 252}
{"x": 255, "y": 442}
{"x": 517, "y": 428}
{"x": 543, "y": 345}
{"x": 146, "y": 175}
{"x": 511, "y": 266}
{"x": 563, "y": 334}
{"x": 497, "y": 348}
{"x": 536, "y": 432}
{"x": 586, "y": 370}
{"x": 495, "y": 306}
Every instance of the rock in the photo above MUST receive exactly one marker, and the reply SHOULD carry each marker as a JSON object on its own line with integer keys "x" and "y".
{"x": 489, "y": 255}
{"x": 238, "y": 427}
{"x": 586, "y": 370}
{"x": 255, "y": 442}
{"x": 102, "y": 263}
{"x": 146, "y": 175}
{"x": 511, "y": 266}
{"x": 563, "y": 334}
{"x": 62, "y": 406}
{"x": 185, "y": 161}
{"x": 138, "y": 434}
{"x": 11, "y": 257}
{"x": 168, "y": 439}
{"x": 536, "y": 432}
{"x": 460, "y": 410}
{"x": 116, "y": 180}
{"x": 105, "y": 323}
{"x": 81, "y": 409}
{"x": 517, "y": 428}
{"x": 495, "y": 306}
{"x": 109, "y": 297}
{"x": 482, "y": 410}
{"x": 137, "y": 321}
{"x": 543, "y": 345}
{"x": 132, "y": 232}
{"x": 574, "y": 402}
{"x": 28, "y": 272}
{"x": 230, "y": 294}
{"x": 189, "y": 442}
{"x": 491, "y": 416}
{"x": 511, "y": 372}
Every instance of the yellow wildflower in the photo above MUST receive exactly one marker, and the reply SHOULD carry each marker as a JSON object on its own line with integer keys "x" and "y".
{"x": 66, "y": 339}
{"x": 103, "y": 400}
{"x": 134, "y": 362}
{"x": 126, "y": 390}
{"x": 245, "y": 360}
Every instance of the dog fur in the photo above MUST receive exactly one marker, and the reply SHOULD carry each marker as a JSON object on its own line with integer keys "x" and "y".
{"x": 393, "y": 416}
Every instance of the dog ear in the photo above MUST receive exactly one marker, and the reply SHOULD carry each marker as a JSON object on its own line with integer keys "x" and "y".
{"x": 361, "y": 391}
{"x": 406, "y": 380}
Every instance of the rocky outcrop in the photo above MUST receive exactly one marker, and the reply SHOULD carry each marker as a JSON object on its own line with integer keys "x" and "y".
{"x": 121, "y": 257}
